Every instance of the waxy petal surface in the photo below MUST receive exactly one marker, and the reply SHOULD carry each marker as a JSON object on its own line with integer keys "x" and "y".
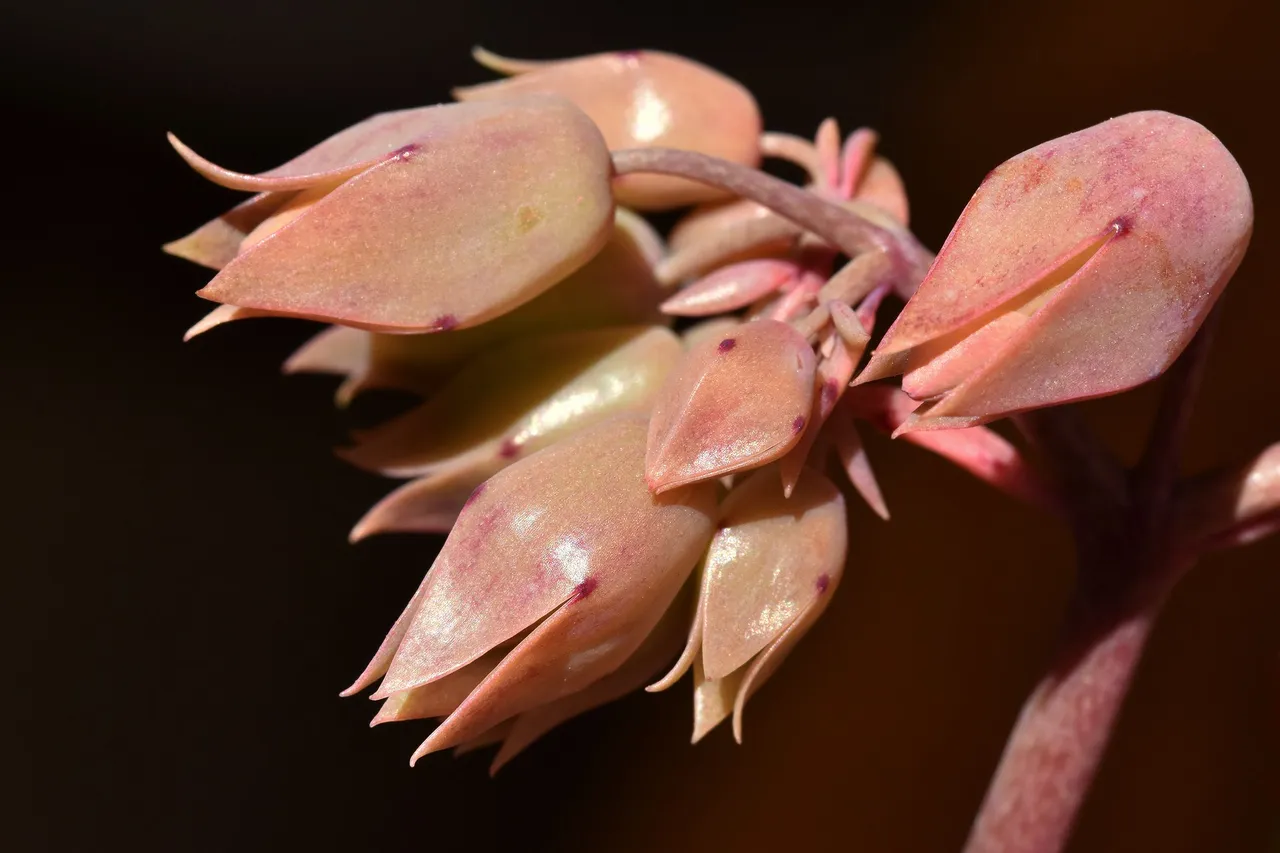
{"x": 450, "y": 232}
{"x": 648, "y": 98}
{"x": 731, "y": 404}
{"x": 769, "y": 559}
{"x": 731, "y": 287}
{"x": 524, "y": 396}
{"x": 1149, "y": 212}
{"x": 216, "y": 242}
{"x": 571, "y": 529}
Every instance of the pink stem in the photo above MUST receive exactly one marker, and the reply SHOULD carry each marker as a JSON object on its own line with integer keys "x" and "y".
{"x": 1059, "y": 739}
{"x": 842, "y": 228}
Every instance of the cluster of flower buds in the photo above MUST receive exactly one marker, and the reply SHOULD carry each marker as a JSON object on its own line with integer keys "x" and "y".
{"x": 628, "y": 438}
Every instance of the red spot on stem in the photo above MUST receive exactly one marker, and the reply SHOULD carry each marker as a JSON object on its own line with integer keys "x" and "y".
{"x": 509, "y": 448}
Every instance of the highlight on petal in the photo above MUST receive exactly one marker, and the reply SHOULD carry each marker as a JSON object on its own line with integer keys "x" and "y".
{"x": 1080, "y": 268}
{"x": 732, "y": 287}
{"x": 568, "y": 542}
{"x": 729, "y": 405}
{"x": 521, "y": 397}
{"x": 218, "y": 316}
{"x": 503, "y": 201}
{"x": 648, "y": 98}
{"x": 769, "y": 559}
{"x": 770, "y": 570}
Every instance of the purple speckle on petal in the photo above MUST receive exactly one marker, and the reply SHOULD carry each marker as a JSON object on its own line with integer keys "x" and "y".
{"x": 584, "y": 589}
{"x": 1122, "y": 225}
{"x": 824, "y": 581}
{"x": 726, "y": 345}
{"x": 479, "y": 490}
{"x": 630, "y": 55}
{"x": 443, "y": 323}
{"x": 829, "y": 390}
{"x": 797, "y": 426}
{"x": 509, "y": 448}
{"x": 402, "y": 153}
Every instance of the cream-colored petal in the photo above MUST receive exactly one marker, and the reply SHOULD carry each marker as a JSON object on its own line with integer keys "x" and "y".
{"x": 770, "y": 557}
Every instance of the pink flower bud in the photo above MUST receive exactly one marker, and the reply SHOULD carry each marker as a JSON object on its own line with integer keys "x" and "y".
{"x": 1079, "y": 269}
{"x": 644, "y": 99}
{"x": 567, "y": 542}
{"x": 770, "y": 571}
{"x": 732, "y": 403}
{"x": 441, "y": 218}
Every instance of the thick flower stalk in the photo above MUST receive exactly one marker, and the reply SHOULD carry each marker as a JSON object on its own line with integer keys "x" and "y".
{"x": 628, "y": 440}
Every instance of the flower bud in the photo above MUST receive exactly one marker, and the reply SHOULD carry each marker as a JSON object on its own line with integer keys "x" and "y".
{"x": 643, "y": 98}
{"x": 567, "y": 542}
{"x": 440, "y": 218}
{"x": 770, "y": 571}
{"x": 1080, "y": 268}
{"x": 733, "y": 403}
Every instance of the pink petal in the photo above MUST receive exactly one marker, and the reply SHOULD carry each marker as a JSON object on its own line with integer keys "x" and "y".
{"x": 737, "y": 239}
{"x": 648, "y": 98}
{"x": 570, "y": 531}
{"x": 770, "y": 558}
{"x": 654, "y": 653}
{"x": 1113, "y": 241}
{"x": 730, "y": 405}
{"x": 429, "y": 504}
{"x": 882, "y": 187}
{"x": 712, "y": 699}
{"x": 218, "y": 316}
{"x": 731, "y": 287}
{"x": 439, "y": 698}
{"x": 493, "y": 212}
{"x": 831, "y": 380}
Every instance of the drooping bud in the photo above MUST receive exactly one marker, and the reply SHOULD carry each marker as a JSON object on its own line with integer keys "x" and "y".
{"x": 568, "y": 542}
{"x": 643, "y": 98}
{"x": 770, "y": 571}
{"x": 441, "y": 218}
{"x": 1080, "y": 268}
{"x": 731, "y": 404}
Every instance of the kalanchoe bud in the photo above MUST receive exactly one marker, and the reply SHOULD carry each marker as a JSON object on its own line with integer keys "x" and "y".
{"x": 769, "y": 573}
{"x": 644, "y": 98}
{"x": 505, "y": 405}
{"x": 1080, "y": 268}
{"x": 441, "y": 218}
{"x": 732, "y": 403}
{"x": 567, "y": 542}
{"x": 615, "y": 288}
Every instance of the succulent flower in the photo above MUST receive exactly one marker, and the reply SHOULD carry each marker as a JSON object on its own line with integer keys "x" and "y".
{"x": 390, "y": 226}
{"x": 642, "y": 98}
{"x": 567, "y": 544}
{"x": 575, "y": 448}
{"x": 1080, "y": 268}
{"x": 769, "y": 573}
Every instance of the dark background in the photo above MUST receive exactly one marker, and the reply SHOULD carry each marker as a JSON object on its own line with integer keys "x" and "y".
{"x": 187, "y": 606}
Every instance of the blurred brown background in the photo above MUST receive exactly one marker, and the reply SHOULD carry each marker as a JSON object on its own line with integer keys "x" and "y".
{"x": 187, "y": 604}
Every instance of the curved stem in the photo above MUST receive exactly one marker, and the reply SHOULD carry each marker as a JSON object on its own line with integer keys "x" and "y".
{"x": 847, "y": 231}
